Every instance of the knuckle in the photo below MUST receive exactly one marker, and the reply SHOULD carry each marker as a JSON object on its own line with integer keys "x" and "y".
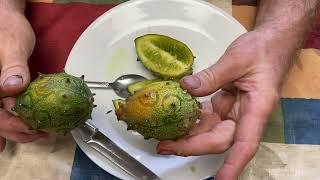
{"x": 219, "y": 146}
{"x": 228, "y": 165}
{"x": 209, "y": 75}
{"x": 223, "y": 146}
{"x": 222, "y": 149}
{"x": 13, "y": 124}
{"x": 248, "y": 149}
{"x": 182, "y": 152}
{"x": 184, "y": 147}
{"x": 14, "y": 66}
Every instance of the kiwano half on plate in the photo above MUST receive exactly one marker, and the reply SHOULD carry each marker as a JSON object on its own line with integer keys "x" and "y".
{"x": 159, "y": 110}
{"x": 166, "y": 57}
{"x": 55, "y": 103}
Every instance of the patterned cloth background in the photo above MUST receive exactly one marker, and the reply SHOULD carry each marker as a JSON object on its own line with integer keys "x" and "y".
{"x": 58, "y": 24}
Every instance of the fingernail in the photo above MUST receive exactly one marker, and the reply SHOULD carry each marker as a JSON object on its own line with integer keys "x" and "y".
{"x": 192, "y": 82}
{"x": 166, "y": 152}
{"x": 14, "y": 80}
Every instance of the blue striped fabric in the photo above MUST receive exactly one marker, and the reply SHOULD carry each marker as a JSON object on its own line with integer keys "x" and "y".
{"x": 302, "y": 121}
{"x": 84, "y": 169}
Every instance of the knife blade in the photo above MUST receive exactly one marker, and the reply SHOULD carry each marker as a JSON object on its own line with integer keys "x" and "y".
{"x": 105, "y": 146}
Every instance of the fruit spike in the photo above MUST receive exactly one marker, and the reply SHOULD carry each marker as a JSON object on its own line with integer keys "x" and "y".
{"x": 129, "y": 128}
{"x": 110, "y": 111}
{"x": 40, "y": 74}
{"x": 82, "y": 82}
{"x": 94, "y": 105}
{"x": 146, "y": 138}
{"x": 93, "y": 94}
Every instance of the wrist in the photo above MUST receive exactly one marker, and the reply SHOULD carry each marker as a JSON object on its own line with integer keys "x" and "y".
{"x": 275, "y": 49}
{"x": 286, "y": 22}
{"x": 282, "y": 39}
{"x": 275, "y": 52}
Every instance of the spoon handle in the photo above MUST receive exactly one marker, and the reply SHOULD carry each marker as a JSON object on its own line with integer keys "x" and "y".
{"x": 94, "y": 84}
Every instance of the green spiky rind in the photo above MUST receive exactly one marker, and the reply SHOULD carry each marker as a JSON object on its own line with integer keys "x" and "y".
{"x": 166, "y": 77}
{"x": 164, "y": 122}
{"x": 55, "y": 103}
{"x": 166, "y": 57}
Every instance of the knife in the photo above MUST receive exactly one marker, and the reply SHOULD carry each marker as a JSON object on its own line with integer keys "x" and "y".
{"x": 98, "y": 141}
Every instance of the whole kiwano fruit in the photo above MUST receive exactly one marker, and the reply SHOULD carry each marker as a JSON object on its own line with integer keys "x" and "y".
{"x": 55, "y": 103}
{"x": 160, "y": 110}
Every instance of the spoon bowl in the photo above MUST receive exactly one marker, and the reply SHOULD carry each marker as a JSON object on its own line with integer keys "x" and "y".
{"x": 120, "y": 85}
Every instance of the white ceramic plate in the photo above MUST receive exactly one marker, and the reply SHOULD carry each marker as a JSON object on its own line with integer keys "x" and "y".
{"x": 106, "y": 50}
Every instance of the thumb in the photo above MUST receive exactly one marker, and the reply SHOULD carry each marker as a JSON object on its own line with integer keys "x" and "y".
{"x": 207, "y": 81}
{"x": 15, "y": 76}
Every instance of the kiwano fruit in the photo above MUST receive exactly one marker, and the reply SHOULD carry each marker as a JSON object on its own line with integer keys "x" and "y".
{"x": 165, "y": 57}
{"x": 160, "y": 110}
{"x": 55, "y": 103}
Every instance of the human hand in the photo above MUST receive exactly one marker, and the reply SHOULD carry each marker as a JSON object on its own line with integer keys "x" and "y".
{"x": 250, "y": 75}
{"x": 17, "y": 41}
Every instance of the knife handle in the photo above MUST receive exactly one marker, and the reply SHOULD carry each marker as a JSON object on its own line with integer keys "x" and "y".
{"x": 121, "y": 158}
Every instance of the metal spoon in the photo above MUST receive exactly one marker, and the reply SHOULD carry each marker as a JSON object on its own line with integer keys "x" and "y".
{"x": 120, "y": 85}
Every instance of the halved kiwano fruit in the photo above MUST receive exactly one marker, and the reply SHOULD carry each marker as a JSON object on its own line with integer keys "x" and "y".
{"x": 165, "y": 57}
